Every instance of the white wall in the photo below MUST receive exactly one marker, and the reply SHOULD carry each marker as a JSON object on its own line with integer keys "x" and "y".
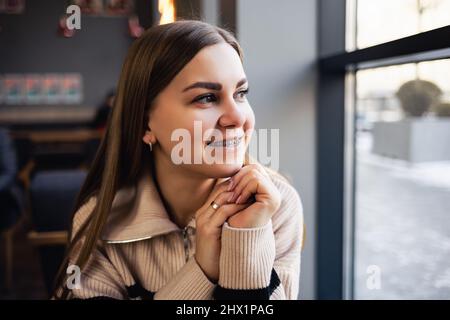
{"x": 279, "y": 39}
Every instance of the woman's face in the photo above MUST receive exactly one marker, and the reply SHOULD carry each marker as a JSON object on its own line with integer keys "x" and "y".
{"x": 205, "y": 102}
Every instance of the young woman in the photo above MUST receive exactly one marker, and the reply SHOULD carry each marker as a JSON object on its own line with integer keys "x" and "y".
{"x": 149, "y": 227}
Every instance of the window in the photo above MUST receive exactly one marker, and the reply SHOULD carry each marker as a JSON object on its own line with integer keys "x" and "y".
{"x": 384, "y": 150}
{"x": 402, "y": 185}
{"x": 401, "y": 160}
{"x": 386, "y": 20}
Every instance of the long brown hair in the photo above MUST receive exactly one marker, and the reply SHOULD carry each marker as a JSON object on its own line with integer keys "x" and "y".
{"x": 153, "y": 60}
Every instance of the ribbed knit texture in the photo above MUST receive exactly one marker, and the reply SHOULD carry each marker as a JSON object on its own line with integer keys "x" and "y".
{"x": 158, "y": 264}
{"x": 247, "y": 257}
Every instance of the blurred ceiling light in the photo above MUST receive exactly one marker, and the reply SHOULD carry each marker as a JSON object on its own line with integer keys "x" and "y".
{"x": 167, "y": 10}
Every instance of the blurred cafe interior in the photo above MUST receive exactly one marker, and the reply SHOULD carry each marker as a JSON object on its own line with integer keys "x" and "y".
{"x": 359, "y": 89}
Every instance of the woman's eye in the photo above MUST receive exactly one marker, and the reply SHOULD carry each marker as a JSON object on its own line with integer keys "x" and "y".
{"x": 243, "y": 93}
{"x": 206, "y": 99}
{"x": 211, "y": 98}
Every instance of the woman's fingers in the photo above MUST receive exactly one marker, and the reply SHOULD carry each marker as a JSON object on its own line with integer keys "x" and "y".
{"x": 218, "y": 189}
{"x": 220, "y": 200}
{"x": 234, "y": 181}
{"x": 224, "y": 212}
{"x": 250, "y": 180}
{"x": 211, "y": 221}
{"x": 249, "y": 189}
{"x": 257, "y": 187}
{"x": 216, "y": 217}
{"x": 237, "y": 189}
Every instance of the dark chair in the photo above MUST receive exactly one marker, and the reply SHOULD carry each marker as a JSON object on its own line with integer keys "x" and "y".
{"x": 52, "y": 198}
{"x": 11, "y": 200}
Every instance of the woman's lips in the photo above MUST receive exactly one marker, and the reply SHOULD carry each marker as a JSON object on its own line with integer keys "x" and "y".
{"x": 228, "y": 143}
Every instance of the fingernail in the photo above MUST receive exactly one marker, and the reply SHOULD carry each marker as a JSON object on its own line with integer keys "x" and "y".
{"x": 239, "y": 198}
{"x": 230, "y": 186}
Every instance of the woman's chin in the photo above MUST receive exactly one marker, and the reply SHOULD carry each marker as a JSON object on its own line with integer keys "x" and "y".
{"x": 223, "y": 170}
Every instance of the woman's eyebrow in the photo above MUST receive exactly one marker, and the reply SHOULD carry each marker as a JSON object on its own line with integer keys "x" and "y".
{"x": 212, "y": 85}
{"x": 241, "y": 82}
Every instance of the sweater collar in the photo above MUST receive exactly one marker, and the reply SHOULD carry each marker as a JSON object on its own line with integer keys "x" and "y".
{"x": 138, "y": 213}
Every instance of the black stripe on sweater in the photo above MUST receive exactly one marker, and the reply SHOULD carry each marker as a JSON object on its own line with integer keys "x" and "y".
{"x": 221, "y": 293}
{"x": 138, "y": 291}
{"x": 95, "y": 298}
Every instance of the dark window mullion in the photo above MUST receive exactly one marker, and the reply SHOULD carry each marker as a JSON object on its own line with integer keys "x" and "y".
{"x": 437, "y": 39}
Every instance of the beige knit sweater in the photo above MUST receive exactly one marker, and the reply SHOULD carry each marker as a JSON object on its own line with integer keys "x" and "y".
{"x": 144, "y": 255}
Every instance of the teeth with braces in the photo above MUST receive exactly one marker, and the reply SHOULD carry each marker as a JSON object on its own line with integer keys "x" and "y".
{"x": 226, "y": 143}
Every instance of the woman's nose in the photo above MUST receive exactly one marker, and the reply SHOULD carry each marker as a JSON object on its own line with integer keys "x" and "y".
{"x": 233, "y": 115}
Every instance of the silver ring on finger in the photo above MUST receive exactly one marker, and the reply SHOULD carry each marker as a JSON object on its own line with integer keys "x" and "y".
{"x": 215, "y": 205}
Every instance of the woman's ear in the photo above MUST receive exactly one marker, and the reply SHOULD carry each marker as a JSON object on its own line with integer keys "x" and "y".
{"x": 149, "y": 136}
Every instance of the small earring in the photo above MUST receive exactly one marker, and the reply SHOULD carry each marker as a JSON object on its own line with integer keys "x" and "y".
{"x": 151, "y": 146}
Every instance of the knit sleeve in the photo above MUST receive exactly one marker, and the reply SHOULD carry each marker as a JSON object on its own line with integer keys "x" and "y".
{"x": 189, "y": 283}
{"x": 264, "y": 262}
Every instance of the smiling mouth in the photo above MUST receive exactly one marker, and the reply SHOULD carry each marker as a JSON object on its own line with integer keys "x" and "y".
{"x": 229, "y": 143}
